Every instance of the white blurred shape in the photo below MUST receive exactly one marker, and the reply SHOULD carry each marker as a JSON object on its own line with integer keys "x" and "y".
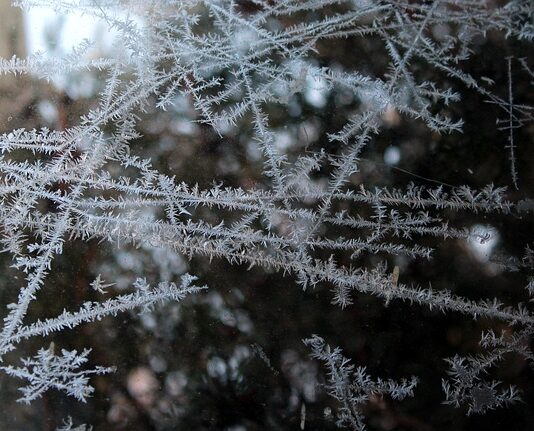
{"x": 316, "y": 91}
{"x": 483, "y": 247}
{"x": 392, "y": 155}
{"x": 44, "y": 25}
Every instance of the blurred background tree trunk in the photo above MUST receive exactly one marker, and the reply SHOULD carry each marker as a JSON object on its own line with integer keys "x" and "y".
{"x": 15, "y": 92}
{"x": 12, "y": 41}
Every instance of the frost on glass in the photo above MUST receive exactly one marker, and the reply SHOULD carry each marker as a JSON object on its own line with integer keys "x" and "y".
{"x": 289, "y": 108}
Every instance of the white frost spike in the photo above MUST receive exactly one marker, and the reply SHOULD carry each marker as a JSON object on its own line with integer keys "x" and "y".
{"x": 99, "y": 285}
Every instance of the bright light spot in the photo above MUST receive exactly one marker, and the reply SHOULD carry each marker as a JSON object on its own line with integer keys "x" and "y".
{"x": 55, "y": 36}
{"x": 52, "y": 33}
{"x": 216, "y": 368}
{"x": 47, "y": 111}
{"x": 142, "y": 385}
{"x": 175, "y": 382}
{"x": 392, "y": 155}
{"x": 253, "y": 151}
{"x": 244, "y": 39}
{"x": 308, "y": 132}
{"x": 482, "y": 242}
{"x": 283, "y": 141}
{"x": 316, "y": 91}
